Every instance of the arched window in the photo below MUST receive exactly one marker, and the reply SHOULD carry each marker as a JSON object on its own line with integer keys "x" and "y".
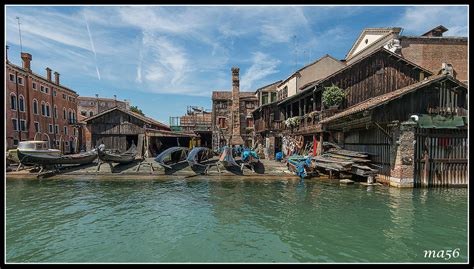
{"x": 91, "y": 113}
{"x": 21, "y": 103}
{"x": 64, "y": 113}
{"x": 55, "y": 112}
{"x": 43, "y": 108}
{"x": 35, "y": 106}
{"x": 69, "y": 115}
{"x": 13, "y": 101}
{"x": 74, "y": 116}
{"x": 47, "y": 110}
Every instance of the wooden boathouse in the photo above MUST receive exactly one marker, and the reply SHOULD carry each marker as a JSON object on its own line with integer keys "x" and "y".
{"x": 118, "y": 128}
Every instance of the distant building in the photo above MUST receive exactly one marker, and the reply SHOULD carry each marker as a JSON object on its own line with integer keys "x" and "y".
{"x": 90, "y": 106}
{"x": 197, "y": 120}
{"x": 39, "y": 108}
{"x": 232, "y": 121}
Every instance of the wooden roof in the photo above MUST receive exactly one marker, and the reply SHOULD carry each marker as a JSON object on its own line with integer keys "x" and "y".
{"x": 388, "y": 97}
{"x": 133, "y": 114}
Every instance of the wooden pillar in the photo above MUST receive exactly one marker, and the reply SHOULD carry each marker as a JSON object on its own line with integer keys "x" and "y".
{"x": 314, "y": 101}
{"x": 300, "y": 107}
{"x": 304, "y": 105}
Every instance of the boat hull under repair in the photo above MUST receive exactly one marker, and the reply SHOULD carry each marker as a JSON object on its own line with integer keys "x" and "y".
{"x": 172, "y": 156}
{"x": 227, "y": 159}
{"x": 121, "y": 158}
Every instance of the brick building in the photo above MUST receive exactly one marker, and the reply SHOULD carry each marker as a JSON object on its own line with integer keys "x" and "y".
{"x": 39, "y": 108}
{"x": 430, "y": 50}
{"x": 232, "y": 121}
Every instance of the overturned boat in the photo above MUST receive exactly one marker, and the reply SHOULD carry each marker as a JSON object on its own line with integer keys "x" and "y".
{"x": 198, "y": 155}
{"x": 227, "y": 159}
{"x": 172, "y": 156}
{"x": 113, "y": 157}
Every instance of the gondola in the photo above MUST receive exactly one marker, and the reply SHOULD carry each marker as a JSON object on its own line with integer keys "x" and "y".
{"x": 112, "y": 157}
{"x": 227, "y": 159}
{"x": 54, "y": 159}
{"x": 198, "y": 155}
{"x": 172, "y": 156}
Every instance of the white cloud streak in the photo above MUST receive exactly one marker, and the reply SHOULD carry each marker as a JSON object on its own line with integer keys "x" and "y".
{"x": 92, "y": 46}
{"x": 262, "y": 66}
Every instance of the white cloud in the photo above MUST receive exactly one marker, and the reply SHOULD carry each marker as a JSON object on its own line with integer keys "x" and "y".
{"x": 419, "y": 19}
{"x": 263, "y": 65}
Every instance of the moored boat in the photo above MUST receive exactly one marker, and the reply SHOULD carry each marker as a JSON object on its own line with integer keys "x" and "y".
{"x": 250, "y": 158}
{"x": 112, "y": 157}
{"x": 172, "y": 156}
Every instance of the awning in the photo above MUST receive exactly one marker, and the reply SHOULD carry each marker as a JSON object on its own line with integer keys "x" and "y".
{"x": 441, "y": 122}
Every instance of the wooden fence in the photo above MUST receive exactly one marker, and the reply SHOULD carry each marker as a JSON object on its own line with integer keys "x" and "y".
{"x": 441, "y": 157}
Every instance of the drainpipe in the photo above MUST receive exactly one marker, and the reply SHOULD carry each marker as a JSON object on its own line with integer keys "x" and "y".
{"x": 17, "y": 107}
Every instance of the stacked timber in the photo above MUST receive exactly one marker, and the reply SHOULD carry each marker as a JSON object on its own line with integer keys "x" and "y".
{"x": 348, "y": 161}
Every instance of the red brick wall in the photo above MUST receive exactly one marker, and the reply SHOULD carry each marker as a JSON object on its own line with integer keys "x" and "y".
{"x": 430, "y": 53}
{"x": 30, "y": 94}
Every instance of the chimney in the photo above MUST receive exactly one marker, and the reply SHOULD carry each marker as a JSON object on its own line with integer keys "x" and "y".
{"x": 26, "y": 57}
{"x": 48, "y": 73}
{"x": 236, "y": 138}
{"x": 56, "y": 78}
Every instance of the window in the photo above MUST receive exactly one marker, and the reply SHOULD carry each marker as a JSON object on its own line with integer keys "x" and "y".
{"x": 37, "y": 127}
{"x": 43, "y": 108}
{"x": 221, "y": 105}
{"x": 23, "y": 125}
{"x": 70, "y": 116}
{"x": 57, "y": 143}
{"x": 41, "y": 88}
{"x": 249, "y": 105}
{"x": 65, "y": 130}
{"x": 46, "y": 90}
{"x": 222, "y": 123}
{"x": 55, "y": 112}
{"x": 91, "y": 113}
{"x": 64, "y": 96}
{"x": 249, "y": 122}
{"x": 20, "y": 80}
{"x": 35, "y": 106}
{"x": 50, "y": 128}
{"x": 21, "y": 103}
{"x": 47, "y": 110}
{"x": 74, "y": 131}
{"x": 13, "y": 101}
{"x": 56, "y": 129}
{"x": 66, "y": 143}
{"x": 54, "y": 93}
{"x": 34, "y": 86}
{"x": 15, "y": 124}
{"x": 12, "y": 78}
{"x": 64, "y": 113}
{"x": 84, "y": 113}
{"x": 15, "y": 142}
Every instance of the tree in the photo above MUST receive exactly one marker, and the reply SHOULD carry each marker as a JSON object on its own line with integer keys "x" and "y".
{"x": 137, "y": 110}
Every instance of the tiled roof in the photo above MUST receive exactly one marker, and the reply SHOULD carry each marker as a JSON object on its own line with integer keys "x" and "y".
{"x": 385, "y": 98}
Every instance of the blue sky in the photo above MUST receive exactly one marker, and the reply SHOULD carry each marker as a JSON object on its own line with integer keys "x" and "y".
{"x": 163, "y": 58}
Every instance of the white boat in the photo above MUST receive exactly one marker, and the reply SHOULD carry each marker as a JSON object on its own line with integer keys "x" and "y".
{"x": 35, "y": 148}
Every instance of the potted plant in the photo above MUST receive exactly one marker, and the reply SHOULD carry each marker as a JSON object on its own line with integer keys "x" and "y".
{"x": 333, "y": 96}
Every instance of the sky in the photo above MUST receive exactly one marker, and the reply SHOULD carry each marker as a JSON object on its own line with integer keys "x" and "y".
{"x": 165, "y": 58}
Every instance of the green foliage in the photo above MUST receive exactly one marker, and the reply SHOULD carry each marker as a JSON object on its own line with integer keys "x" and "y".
{"x": 137, "y": 110}
{"x": 333, "y": 96}
{"x": 293, "y": 122}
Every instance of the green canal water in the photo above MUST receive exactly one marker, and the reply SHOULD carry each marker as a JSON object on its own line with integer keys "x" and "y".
{"x": 230, "y": 221}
